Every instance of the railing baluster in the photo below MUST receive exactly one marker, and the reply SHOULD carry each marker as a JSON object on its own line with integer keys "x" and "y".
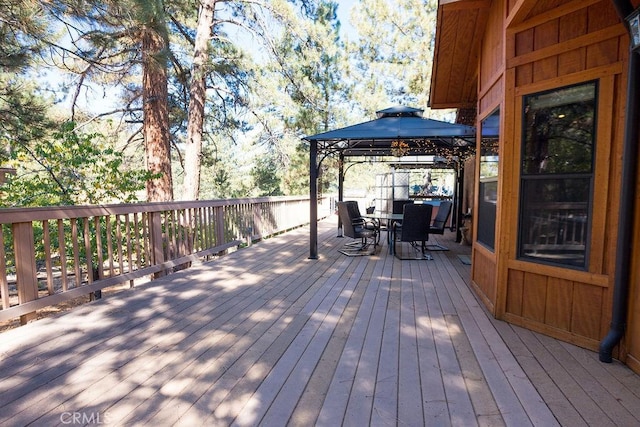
{"x": 173, "y": 253}
{"x": 156, "y": 242}
{"x": 183, "y": 232}
{"x": 97, "y": 221}
{"x": 62, "y": 252}
{"x": 119, "y": 245}
{"x": 4, "y": 283}
{"x": 127, "y": 231}
{"x": 76, "y": 252}
{"x": 213, "y": 240}
{"x": 201, "y": 237}
{"x": 109, "y": 245}
{"x": 193, "y": 231}
{"x": 88, "y": 252}
{"x": 145, "y": 239}
{"x": 188, "y": 231}
{"x": 219, "y": 216}
{"x": 136, "y": 237}
{"x": 46, "y": 238}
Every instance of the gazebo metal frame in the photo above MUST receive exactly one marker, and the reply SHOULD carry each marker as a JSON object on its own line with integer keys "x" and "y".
{"x": 397, "y": 131}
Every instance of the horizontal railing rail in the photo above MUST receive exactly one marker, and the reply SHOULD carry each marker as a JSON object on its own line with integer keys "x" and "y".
{"x": 50, "y": 255}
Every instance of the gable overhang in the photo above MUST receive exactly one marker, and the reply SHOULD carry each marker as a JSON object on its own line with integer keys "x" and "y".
{"x": 460, "y": 27}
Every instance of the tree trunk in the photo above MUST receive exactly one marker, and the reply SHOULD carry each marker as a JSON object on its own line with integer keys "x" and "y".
{"x": 156, "y": 116}
{"x": 197, "y": 98}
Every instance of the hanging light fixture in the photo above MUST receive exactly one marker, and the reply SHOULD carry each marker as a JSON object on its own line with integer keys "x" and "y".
{"x": 399, "y": 148}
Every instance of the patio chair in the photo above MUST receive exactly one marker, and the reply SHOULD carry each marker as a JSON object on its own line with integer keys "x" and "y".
{"x": 398, "y": 205}
{"x": 398, "y": 208}
{"x": 414, "y": 229}
{"x": 355, "y": 228}
{"x": 438, "y": 226}
{"x": 369, "y": 224}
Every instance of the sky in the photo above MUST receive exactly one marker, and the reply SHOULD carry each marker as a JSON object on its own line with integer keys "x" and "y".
{"x": 344, "y": 11}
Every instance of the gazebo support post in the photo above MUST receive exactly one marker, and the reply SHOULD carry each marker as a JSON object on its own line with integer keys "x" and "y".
{"x": 340, "y": 189}
{"x": 313, "y": 200}
{"x": 458, "y": 201}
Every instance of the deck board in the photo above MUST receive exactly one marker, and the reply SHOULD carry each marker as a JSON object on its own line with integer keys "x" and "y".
{"x": 266, "y": 336}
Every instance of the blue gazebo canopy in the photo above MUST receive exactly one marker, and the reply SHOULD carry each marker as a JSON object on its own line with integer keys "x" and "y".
{"x": 393, "y": 126}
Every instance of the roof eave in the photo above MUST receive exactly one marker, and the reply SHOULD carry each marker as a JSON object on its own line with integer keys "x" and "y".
{"x": 456, "y": 54}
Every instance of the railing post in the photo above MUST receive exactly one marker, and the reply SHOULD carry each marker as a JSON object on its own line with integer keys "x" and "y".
{"x": 155, "y": 237}
{"x": 25, "y": 259}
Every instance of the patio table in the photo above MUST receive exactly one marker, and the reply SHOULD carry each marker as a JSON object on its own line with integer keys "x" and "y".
{"x": 389, "y": 218}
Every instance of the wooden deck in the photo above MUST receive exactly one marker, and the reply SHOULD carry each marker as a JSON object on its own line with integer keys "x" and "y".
{"x": 265, "y": 336}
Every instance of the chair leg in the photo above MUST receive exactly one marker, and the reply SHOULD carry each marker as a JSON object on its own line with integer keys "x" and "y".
{"x": 361, "y": 248}
{"x": 421, "y": 250}
{"x": 437, "y": 247}
{"x": 425, "y": 253}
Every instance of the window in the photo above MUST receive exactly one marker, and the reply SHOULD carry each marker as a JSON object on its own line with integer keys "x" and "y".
{"x": 488, "y": 194}
{"x": 558, "y": 148}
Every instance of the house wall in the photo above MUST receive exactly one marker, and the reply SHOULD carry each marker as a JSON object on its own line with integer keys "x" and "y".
{"x": 631, "y": 342}
{"x": 529, "y": 47}
{"x": 490, "y": 95}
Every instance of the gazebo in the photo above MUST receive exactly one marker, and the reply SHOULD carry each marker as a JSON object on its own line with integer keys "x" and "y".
{"x": 396, "y": 132}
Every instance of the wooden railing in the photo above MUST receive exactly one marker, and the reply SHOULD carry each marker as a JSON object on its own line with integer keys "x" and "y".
{"x": 556, "y": 232}
{"x": 55, "y": 254}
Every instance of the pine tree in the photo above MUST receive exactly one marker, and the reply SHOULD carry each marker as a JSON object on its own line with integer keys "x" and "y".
{"x": 393, "y": 53}
{"x": 125, "y": 38}
{"x": 309, "y": 94}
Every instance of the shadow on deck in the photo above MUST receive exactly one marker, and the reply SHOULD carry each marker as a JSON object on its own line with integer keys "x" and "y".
{"x": 267, "y": 336}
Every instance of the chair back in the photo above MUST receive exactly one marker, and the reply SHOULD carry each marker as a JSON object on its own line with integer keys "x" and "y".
{"x": 345, "y": 217}
{"x": 416, "y": 222}
{"x": 398, "y": 205}
{"x": 353, "y": 208}
{"x": 441, "y": 217}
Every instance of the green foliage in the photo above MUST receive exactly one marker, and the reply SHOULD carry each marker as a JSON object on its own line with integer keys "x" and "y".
{"x": 22, "y": 30}
{"x": 265, "y": 176}
{"x": 313, "y": 71}
{"x": 296, "y": 177}
{"x": 23, "y": 116}
{"x": 394, "y": 52}
{"x": 305, "y": 80}
{"x": 70, "y": 168}
{"x": 302, "y": 90}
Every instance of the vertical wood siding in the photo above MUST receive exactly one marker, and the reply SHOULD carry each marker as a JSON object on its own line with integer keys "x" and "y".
{"x": 551, "y": 44}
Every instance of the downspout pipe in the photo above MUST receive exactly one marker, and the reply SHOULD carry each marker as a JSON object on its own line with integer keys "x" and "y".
{"x": 622, "y": 278}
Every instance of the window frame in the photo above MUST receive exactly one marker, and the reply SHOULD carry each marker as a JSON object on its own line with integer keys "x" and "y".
{"x": 526, "y": 179}
{"x": 486, "y": 230}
